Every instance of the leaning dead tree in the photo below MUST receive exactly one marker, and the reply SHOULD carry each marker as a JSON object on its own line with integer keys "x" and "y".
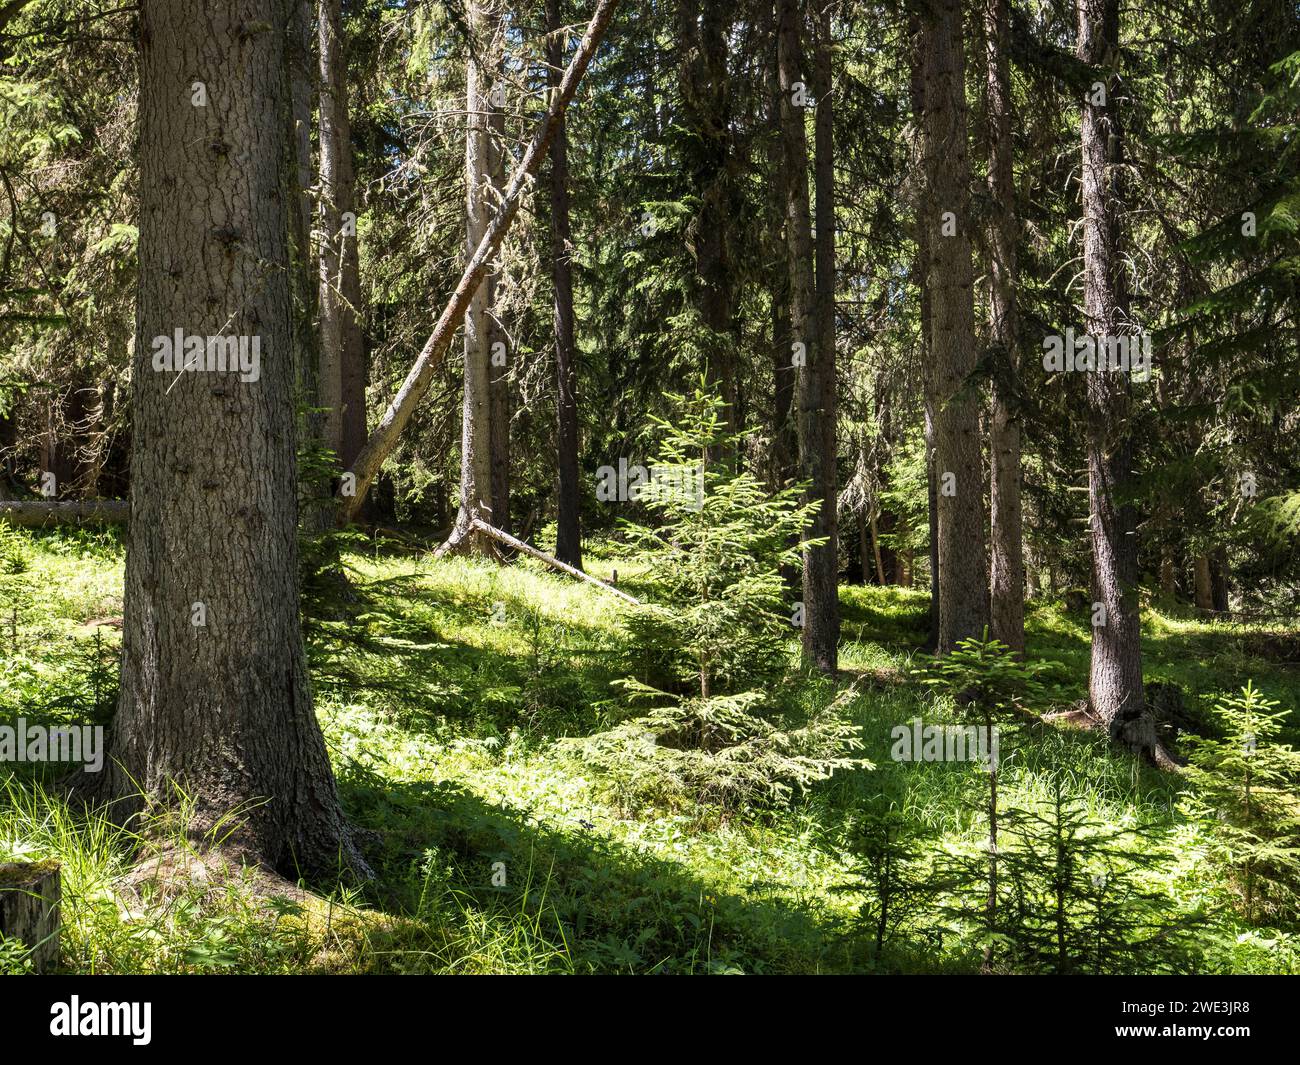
{"x": 356, "y": 482}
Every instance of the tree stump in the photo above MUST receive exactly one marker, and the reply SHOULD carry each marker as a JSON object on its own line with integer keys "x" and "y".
{"x": 29, "y": 909}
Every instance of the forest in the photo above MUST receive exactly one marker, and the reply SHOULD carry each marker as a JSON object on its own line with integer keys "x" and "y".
{"x": 676, "y": 487}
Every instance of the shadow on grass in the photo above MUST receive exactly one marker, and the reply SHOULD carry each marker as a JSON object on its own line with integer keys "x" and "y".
{"x": 567, "y": 898}
{"x": 445, "y": 657}
{"x": 889, "y": 616}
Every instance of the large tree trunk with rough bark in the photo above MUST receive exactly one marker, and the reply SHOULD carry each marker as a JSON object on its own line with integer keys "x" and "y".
{"x": 821, "y": 615}
{"x": 1115, "y": 679}
{"x": 568, "y": 535}
{"x": 215, "y": 698}
{"x": 963, "y": 568}
{"x": 1006, "y": 543}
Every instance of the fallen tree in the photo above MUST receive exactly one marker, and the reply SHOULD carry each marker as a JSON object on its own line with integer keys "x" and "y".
{"x": 479, "y": 525}
{"x": 381, "y": 442}
{"x": 34, "y": 513}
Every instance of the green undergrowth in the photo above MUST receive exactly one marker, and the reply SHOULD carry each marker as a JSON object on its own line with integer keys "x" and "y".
{"x": 445, "y": 688}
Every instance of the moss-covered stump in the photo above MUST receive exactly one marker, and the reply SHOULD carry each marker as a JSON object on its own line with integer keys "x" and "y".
{"x": 29, "y": 909}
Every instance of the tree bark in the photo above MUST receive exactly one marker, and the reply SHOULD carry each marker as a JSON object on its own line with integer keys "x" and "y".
{"x": 821, "y": 564}
{"x": 821, "y": 614}
{"x": 932, "y": 513}
{"x": 1202, "y": 583}
{"x": 215, "y": 700}
{"x": 784, "y": 436}
{"x": 963, "y": 569}
{"x": 920, "y": 278}
{"x": 385, "y": 435}
{"x": 1006, "y": 546}
{"x": 343, "y": 372}
{"x": 1168, "y": 573}
{"x": 316, "y": 492}
{"x": 1219, "y": 578}
{"x": 69, "y": 418}
{"x": 476, "y": 407}
{"x": 498, "y": 341}
{"x": 1115, "y": 679}
{"x": 884, "y": 521}
{"x": 568, "y": 535}
{"x": 8, "y": 452}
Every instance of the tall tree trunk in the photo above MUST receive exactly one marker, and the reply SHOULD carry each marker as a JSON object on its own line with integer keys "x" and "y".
{"x": 67, "y": 425}
{"x": 963, "y": 568}
{"x": 568, "y": 534}
{"x": 1168, "y": 572}
{"x": 498, "y": 342}
{"x": 1006, "y": 547}
{"x": 784, "y": 436}
{"x": 1115, "y": 679}
{"x": 305, "y": 293}
{"x": 820, "y": 614}
{"x": 8, "y": 453}
{"x": 476, "y": 425}
{"x": 215, "y": 697}
{"x": 920, "y": 278}
{"x": 866, "y": 544}
{"x": 885, "y": 522}
{"x": 703, "y": 28}
{"x": 822, "y": 563}
{"x": 302, "y": 75}
{"x": 343, "y": 373}
{"x": 932, "y": 508}
{"x": 1202, "y": 583}
{"x": 1219, "y": 578}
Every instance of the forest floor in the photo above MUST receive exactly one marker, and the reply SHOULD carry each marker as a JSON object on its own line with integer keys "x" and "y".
{"x": 445, "y": 694}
